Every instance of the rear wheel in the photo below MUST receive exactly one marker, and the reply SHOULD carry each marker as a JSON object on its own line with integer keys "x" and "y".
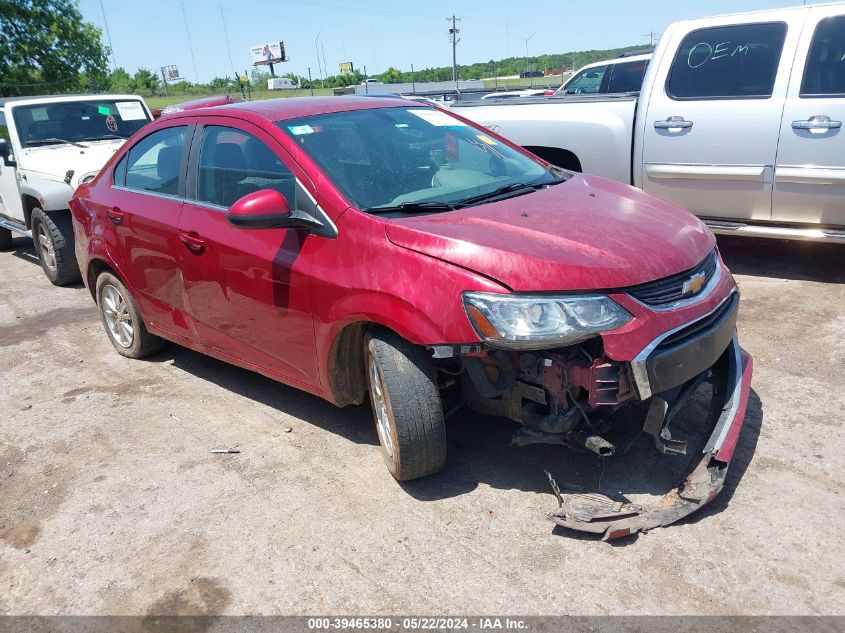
{"x": 122, "y": 321}
{"x": 406, "y": 406}
{"x": 52, "y": 233}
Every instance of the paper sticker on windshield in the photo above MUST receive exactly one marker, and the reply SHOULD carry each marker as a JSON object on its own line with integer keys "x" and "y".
{"x": 104, "y": 110}
{"x": 299, "y": 130}
{"x": 111, "y": 123}
{"x": 130, "y": 110}
{"x": 485, "y": 139}
{"x": 438, "y": 118}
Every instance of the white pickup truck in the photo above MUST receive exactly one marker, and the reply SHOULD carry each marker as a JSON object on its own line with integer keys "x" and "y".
{"x": 48, "y": 146}
{"x": 739, "y": 119}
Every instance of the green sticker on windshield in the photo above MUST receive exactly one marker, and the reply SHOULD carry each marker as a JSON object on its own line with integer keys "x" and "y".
{"x": 104, "y": 110}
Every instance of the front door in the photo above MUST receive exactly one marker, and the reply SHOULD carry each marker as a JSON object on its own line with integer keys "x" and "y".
{"x": 810, "y": 170}
{"x": 711, "y": 128}
{"x": 10, "y": 197}
{"x": 246, "y": 289}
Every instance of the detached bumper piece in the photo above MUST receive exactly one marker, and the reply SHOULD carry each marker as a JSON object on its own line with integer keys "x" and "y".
{"x": 597, "y": 514}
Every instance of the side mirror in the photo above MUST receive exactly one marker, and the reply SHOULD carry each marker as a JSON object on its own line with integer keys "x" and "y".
{"x": 268, "y": 209}
{"x": 5, "y": 152}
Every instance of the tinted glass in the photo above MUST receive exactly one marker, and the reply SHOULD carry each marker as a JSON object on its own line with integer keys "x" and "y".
{"x": 825, "y": 70}
{"x": 586, "y": 82}
{"x": 234, "y": 163}
{"x": 384, "y": 157}
{"x": 153, "y": 164}
{"x": 627, "y": 77}
{"x": 727, "y": 62}
{"x": 53, "y": 123}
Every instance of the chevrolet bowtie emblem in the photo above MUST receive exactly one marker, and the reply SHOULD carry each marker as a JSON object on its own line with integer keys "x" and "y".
{"x": 693, "y": 284}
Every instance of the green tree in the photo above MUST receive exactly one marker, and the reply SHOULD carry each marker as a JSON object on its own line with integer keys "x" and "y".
{"x": 46, "y": 47}
{"x": 120, "y": 81}
{"x": 146, "y": 82}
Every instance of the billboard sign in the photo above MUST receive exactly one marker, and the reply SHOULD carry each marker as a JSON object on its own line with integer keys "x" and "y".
{"x": 171, "y": 73}
{"x": 268, "y": 53}
{"x": 346, "y": 68}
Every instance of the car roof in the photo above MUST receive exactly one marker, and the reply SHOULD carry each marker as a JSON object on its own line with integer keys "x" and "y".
{"x": 615, "y": 60}
{"x": 285, "y": 108}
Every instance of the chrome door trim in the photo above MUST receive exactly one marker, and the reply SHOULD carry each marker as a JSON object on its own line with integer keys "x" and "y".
{"x": 697, "y": 171}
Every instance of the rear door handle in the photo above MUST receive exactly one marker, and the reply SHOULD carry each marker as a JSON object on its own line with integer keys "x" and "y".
{"x": 116, "y": 215}
{"x": 192, "y": 240}
{"x": 818, "y": 122}
{"x": 672, "y": 123}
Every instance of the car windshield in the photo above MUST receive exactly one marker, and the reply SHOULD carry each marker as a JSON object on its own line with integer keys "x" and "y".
{"x": 414, "y": 159}
{"x": 74, "y": 121}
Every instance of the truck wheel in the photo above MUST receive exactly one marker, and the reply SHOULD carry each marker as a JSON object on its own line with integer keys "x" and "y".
{"x": 5, "y": 239}
{"x": 52, "y": 233}
{"x": 406, "y": 406}
{"x": 122, "y": 320}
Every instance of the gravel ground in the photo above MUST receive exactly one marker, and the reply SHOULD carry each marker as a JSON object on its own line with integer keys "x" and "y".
{"x": 111, "y": 502}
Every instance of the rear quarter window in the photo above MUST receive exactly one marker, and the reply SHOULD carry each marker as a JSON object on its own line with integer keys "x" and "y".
{"x": 727, "y": 62}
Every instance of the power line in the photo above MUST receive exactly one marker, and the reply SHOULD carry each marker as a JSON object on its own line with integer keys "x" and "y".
{"x": 108, "y": 35}
{"x": 228, "y": 46}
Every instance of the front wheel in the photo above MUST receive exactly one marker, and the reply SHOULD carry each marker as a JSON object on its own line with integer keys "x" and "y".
{"x": 52, "y": 233}
{"x": 406, "y": 406}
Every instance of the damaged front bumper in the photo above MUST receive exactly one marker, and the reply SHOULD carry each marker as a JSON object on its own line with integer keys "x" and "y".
{"x": 598, "y": 514}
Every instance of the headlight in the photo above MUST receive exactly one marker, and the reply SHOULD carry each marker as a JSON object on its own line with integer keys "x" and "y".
{"x": 530, "y": 321}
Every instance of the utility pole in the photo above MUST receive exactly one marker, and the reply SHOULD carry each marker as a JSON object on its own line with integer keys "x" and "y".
{"x": 453, "y": 35}
{"x": 310, "y": 82}
{"x": 527, "y": 64}
{"x": 651, "y": 37}
{"x": 413, "y": 81}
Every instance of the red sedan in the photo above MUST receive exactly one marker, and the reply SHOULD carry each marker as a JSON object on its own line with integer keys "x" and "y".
{"x": 349, "y": 246}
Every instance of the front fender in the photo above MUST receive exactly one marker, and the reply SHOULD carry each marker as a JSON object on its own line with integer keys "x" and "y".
{"x": 52, "y": 195}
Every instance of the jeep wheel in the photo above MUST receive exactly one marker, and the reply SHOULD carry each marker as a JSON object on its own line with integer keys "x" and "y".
{"x": 406, "y": 406}
{"x": 5, "y": 239}
{"x": 52, "y": 233}
{"x": 122, "y": 320}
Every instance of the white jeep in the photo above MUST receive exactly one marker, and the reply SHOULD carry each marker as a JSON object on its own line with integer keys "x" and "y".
{"x": 48, "y": 146}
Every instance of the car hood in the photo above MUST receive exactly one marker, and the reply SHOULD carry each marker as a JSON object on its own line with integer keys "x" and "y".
{"x": 53, "y": 162}
{"x": 585, "y": 234}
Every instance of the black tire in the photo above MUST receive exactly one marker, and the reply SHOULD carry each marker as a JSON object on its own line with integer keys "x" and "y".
{"x": 52, "y": 234}
{"x": 112, "y": 313}
{"x": 5, "y": 239}
{"x": 416, "y": 444}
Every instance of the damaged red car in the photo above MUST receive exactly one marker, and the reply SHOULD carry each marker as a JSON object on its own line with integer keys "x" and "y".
{"x": 367, "y": 247}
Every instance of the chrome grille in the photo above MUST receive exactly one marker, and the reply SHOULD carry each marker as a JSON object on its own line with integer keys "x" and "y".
{"x": 675, "y": 287}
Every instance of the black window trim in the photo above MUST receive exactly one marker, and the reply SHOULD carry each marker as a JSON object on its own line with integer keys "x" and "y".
{"x": 183, "y": 163}
{"x": 814, "y": 95}
{"x": 728, "y": 98}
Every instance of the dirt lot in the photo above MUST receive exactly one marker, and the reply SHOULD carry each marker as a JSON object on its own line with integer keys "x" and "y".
{"x": 110, "y": 501}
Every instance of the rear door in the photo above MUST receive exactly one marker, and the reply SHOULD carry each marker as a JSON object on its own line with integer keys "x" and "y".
{"x": 247, "y": 289}
{"x": 810, "y": 170}
{"x": 142, "y": 210}
{"x": 711, "y": 126}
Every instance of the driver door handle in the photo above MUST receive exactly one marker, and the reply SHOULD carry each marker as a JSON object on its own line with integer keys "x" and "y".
{"x": 672, "y": 123}
{"x": 817, "y": 122}
{"x": 116, "y": 215}
{"x": 192, "y": 240}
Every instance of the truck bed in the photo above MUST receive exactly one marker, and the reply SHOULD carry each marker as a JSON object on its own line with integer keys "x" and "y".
{"x": 569, "y": 131}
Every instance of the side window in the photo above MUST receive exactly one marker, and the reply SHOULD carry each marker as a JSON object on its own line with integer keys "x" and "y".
{"x": 587, "y": 81}
{"x": 153, "y": 163}
{"x": 627, "y": 77}
{"x": 233, "y": 163}
{"x": 727, "y": 62}
{"x": 824, "y": 73}
{"x": 119, "y": 177}
{"x": 4, "y": 130}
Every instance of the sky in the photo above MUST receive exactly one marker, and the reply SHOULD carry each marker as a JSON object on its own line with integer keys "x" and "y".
{"x": 377, "y": 33}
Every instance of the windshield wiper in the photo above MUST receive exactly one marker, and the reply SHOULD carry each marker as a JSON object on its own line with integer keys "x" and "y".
{"x": 517, "y": 188}
{"x": 104, "y": 137}
{"x": 53, "y": 141}
{"x": 414, "y": 207}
